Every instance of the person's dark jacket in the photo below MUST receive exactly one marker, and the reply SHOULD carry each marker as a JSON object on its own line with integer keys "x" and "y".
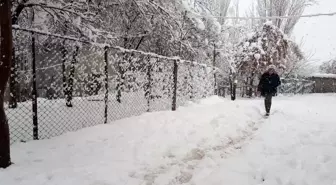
{"x": 268, "y": 84}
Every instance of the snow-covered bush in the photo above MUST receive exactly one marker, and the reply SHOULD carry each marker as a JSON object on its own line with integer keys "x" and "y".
{"x": 263, "y": 48}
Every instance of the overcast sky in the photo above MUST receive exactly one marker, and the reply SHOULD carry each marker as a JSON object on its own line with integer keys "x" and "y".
{"x": 318, "y": 34}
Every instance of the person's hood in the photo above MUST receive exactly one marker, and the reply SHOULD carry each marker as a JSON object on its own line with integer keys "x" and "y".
{"x": 271, "y": 67}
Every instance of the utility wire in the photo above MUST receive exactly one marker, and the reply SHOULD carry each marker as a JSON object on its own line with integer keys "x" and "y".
{"x": 270, "y": 17}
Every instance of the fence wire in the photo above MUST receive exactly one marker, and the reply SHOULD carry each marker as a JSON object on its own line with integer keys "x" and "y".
{"x": 60, "y": 85}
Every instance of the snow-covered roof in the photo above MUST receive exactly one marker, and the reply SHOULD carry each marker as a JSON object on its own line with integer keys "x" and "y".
{"x": 322, "y": 75}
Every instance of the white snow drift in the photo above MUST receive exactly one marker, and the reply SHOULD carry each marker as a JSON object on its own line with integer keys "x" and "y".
{"x": 213, "y": 142}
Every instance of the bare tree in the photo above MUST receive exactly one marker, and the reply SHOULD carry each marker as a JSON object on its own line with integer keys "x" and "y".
{"x": 298, "y": 63}
{"x": 5, "y": 65}
{"x": 283, "y": 8}
{"x": 329, "y": 67}
{"x": 224, "y": 6}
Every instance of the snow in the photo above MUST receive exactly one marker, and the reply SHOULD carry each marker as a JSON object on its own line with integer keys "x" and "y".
{"x": 199, "y": 23}
{"x": 257, "y": 56}
{"x": 321, "y": 75}
{"x": 250, "y": 35}
{"x": 269, "y": 23}
{"x": 77, "y": 21}
{"x": 186, "y": 6}
{"x": 295, "y": 146}
{"x": 212, "y": 141}
{"x": 217, "y": 25}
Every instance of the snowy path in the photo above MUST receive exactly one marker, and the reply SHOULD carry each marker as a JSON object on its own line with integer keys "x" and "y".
{"x": 295, "y": 146}
{"x": 214, "y": 142}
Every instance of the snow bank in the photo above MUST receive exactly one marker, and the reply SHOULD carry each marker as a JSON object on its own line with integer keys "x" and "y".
{"x": 209, "y": 142}
{"x": 134, "y": 150}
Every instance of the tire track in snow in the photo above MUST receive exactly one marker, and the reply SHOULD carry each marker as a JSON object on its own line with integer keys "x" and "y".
{"x": 180, "y": 171}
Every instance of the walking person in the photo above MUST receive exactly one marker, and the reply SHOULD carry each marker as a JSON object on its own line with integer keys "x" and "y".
{"x": 268, "y": 85}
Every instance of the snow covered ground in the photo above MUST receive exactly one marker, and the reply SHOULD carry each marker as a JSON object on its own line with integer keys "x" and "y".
{"x": 212, "y": 142}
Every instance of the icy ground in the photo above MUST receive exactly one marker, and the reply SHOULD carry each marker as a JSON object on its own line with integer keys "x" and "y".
{"x": 212, "y": 142}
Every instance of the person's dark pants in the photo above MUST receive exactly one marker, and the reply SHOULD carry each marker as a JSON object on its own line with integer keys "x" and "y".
{"x": 268, "y": 102}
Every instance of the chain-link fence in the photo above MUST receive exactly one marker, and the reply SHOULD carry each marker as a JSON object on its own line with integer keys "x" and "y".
{"x": 296, "y": 86}
{"x": 59, "y": 84}
{"x": 288, "y": 86}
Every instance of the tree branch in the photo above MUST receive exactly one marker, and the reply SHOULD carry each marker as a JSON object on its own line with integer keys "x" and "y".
{"x": 56, "y": 8}
{"x": 17, "y": 11}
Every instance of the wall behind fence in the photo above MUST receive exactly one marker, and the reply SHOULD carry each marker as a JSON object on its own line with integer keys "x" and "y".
{"x": 60, "y": 85}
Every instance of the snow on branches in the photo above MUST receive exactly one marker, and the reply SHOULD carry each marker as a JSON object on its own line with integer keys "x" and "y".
{"x": 261, "y": 49}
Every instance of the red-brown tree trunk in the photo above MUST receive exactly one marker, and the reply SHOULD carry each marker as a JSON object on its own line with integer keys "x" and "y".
{"x": 5, "y": 65}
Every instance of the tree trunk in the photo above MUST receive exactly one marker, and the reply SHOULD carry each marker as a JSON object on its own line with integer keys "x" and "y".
{"x": 69, "y": 92}
{"x": 233, "y": 85}
{"x": 13, "y": 86}
{"x": 64, "y": 54}
{"x": 191, "y": 84}
{"x": 251, "y": 85}
{"x": 5, "y": 65}
{"x": 214, "y": 70}
{"x": 121, "y": 80}
{"x": 148, "y": 85}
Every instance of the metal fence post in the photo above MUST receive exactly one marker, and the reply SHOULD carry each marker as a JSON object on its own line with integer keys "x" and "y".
{"x": 224, "y": 92}
{"x": 214, "y": 70}
{"x": 34, "y": 91}
{"x": 175, "y": 71}
{"x": 148, "y": 92}
{"x": 192, "y": 95}
{"x": 106, "y": 84}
